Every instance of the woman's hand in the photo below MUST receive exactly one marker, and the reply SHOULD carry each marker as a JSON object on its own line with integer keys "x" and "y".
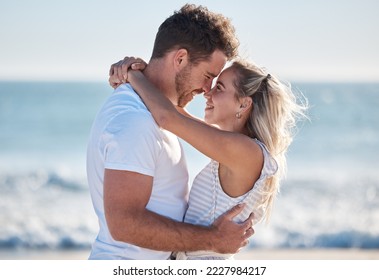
{"x": 118, "y": 74}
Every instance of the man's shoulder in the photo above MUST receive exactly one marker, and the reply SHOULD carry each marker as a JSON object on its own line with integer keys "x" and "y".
{"x": 123, "y": 110}
{"x": 125, "y": 102}
{"x": 126, "y": 95}
{"x": 124, "y": 88}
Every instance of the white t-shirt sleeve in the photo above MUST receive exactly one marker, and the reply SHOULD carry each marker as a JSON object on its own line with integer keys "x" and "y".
{"x": 131, "y": 142}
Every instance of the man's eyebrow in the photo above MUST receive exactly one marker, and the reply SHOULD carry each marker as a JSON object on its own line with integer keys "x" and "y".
{"x": 211, "y": 74}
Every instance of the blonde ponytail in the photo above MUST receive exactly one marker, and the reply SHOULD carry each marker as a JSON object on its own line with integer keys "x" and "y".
{"x": 276, "y": 110}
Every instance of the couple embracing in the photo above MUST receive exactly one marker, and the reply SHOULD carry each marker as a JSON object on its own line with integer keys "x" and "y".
{"x": 136, "y": 166}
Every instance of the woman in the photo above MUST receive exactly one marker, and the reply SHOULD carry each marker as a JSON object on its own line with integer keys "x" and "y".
{"x": 249, "y": 117}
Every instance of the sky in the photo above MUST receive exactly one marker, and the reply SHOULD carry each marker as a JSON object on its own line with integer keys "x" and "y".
{"x": 77, "y": 40}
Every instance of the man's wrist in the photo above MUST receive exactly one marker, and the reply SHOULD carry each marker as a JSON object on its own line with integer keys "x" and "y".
{"x": 211, "y": 238}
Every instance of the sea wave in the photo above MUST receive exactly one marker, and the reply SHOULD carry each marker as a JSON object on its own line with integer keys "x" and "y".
{"x": 42, "y": 179}
{"x": 53, "y": 210}
{"x": 51, "y": 239}
{"x": 300, "y": 240}
{"x": 82, "y": 237}
{"x": 45, "y": 209}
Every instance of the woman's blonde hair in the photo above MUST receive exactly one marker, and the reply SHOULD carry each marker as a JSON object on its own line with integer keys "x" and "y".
{"x": 273, "y": 117}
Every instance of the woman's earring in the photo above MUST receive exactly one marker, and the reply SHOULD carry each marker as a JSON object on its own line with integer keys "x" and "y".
{"x": 238, "y": 115}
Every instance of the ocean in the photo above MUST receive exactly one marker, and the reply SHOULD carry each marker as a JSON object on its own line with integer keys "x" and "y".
{"x": 329, "y": 199}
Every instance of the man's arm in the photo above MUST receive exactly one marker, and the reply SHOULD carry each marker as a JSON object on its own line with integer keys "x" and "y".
{"x": 126, "y": 195}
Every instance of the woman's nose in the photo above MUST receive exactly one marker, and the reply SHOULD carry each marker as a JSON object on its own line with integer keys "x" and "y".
{"x": 208, "y": 94}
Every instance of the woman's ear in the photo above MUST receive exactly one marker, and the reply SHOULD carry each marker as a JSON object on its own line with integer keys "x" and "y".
{"x": 246, "y": 103}
{"x": 181, "y": 59}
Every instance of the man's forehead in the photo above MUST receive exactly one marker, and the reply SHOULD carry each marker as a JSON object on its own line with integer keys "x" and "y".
{"x": 214, "y": 64}
{"x": 217, "y": 62}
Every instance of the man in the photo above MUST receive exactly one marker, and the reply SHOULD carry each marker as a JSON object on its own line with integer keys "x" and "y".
{"x": 137, "y": 172}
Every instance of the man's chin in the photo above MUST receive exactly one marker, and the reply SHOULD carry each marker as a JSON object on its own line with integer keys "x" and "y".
{"x": 183, "y": 102}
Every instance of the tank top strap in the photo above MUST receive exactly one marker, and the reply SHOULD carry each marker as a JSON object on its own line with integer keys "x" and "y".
{"x": 270, "y": 165}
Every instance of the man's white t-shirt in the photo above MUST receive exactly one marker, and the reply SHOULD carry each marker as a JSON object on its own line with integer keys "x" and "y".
{"x": 124, "y": 136}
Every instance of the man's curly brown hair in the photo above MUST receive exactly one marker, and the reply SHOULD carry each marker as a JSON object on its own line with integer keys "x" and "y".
{"x": 197, "y": 30}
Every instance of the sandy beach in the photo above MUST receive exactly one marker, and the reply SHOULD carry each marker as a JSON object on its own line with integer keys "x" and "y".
{"x": 256, "y": 254}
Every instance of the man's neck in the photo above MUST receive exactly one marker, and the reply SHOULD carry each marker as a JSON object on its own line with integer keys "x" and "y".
{"x": 158, "y": 74}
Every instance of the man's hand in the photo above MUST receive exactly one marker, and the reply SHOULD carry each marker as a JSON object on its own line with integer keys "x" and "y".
{"x": 118, "y": 73}
{"x": 231, "y": 237}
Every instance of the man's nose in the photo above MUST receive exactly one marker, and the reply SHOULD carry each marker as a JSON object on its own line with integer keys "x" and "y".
{"x": 207, "y": 86}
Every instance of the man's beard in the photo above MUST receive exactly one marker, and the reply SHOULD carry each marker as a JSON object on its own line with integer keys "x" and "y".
{"x": 182, "y": 85}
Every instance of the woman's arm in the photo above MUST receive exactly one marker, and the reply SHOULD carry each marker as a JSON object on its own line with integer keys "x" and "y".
{"x": 118, "y": 73}
{"x": 187, "y": 114}
{"x": 234, "y": 150}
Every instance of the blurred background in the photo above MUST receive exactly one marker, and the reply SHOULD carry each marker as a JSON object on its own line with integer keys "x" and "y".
{"x": 54, "y": 62}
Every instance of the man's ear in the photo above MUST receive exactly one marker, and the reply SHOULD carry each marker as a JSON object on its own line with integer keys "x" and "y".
{"x": 181, "y": 59}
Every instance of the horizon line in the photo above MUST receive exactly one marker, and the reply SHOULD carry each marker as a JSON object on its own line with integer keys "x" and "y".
{"x": 294, "y": 81}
